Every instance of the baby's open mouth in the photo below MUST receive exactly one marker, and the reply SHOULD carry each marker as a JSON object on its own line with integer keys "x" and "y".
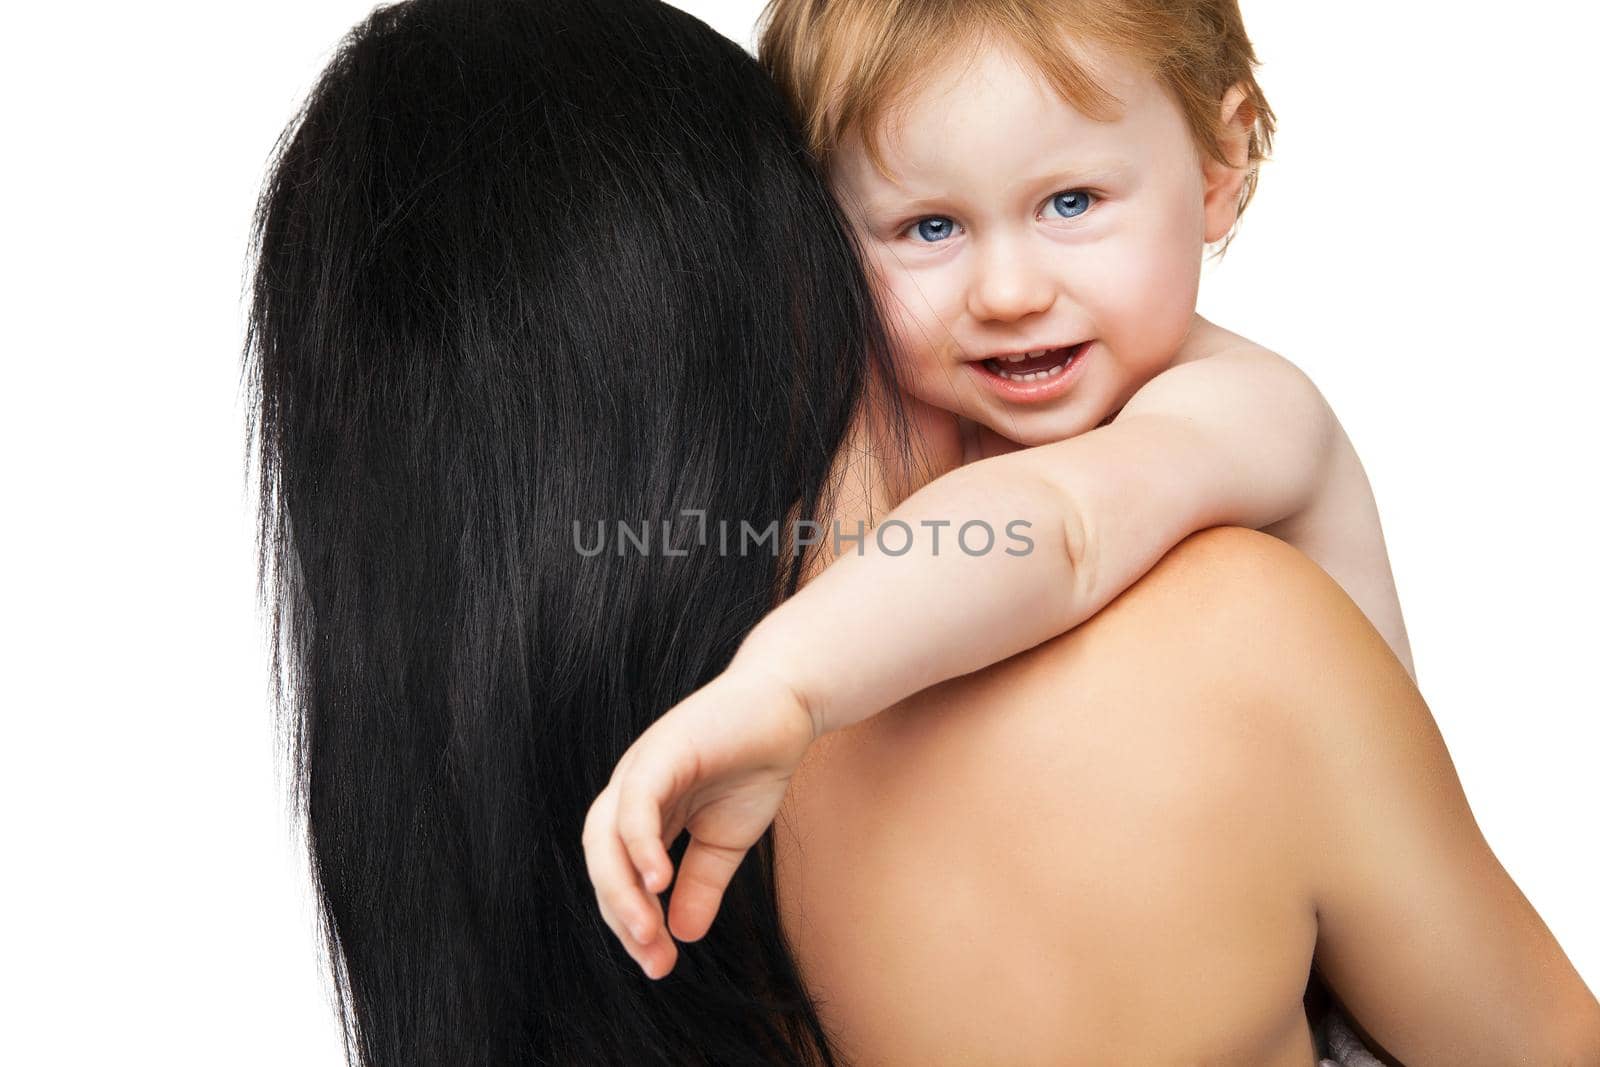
{"x": 1034, "y": 366}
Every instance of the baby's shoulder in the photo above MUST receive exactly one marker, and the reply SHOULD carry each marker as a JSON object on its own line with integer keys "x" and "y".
{"x": 1218, "y": 376}
{"x": 1209, "y": 342}
{"x": 1205, "y": 339}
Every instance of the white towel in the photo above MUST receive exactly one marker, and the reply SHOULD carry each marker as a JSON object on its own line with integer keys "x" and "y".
{"x": 1338, "y": 1045}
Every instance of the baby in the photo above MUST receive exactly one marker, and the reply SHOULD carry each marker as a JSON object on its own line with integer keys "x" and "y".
{"x": 1033, "y": 186}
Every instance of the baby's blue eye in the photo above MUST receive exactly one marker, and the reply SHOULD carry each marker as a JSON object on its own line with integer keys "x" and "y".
{"x": 935, "y": 228}
{"x": 1071, "y": 204}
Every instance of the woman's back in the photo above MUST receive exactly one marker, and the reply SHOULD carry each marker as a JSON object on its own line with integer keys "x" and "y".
{"x": 1113, "y": 848}
{"x": 1070, "y": 857}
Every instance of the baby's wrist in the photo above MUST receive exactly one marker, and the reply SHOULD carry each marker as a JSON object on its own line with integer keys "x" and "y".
{"x": 765, "y": 656}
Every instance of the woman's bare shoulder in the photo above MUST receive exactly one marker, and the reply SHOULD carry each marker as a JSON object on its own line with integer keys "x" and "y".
{"x": 1179, "y": 674}
{"x": 1178, "y": 697}
{"x": 1229, "y": 617}
{"x": 1240, "y": 583}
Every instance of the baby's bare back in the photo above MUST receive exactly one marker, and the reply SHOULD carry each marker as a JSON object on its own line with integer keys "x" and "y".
{"x": 1339, "y": 529}
{"x": 1341, "y": 533}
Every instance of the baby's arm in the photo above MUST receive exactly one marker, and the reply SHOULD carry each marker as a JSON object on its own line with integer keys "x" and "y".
{"x": 1239, "y": 438}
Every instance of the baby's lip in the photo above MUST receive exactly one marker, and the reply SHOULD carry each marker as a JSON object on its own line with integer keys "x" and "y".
{"x": 1006, "y": 355}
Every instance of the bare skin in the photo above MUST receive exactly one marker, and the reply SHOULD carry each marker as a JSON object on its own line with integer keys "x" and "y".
{"x": 1171, "y": 425}
{"x": 1123, "y": 845}
{"x": 1127, "y": 844}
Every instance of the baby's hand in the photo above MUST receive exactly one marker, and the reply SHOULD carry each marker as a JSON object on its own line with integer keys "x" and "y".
{"x": 717, "y": 764}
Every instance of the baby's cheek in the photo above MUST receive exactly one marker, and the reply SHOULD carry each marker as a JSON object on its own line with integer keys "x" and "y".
{"x": 1146, "y": 301}
{"x": 914, "y": 326}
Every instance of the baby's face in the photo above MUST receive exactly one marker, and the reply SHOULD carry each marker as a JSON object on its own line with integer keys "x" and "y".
{"x": 1016, "y": 224}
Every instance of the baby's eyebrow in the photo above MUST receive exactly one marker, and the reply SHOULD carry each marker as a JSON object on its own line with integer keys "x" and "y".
{"x": 889, "y": 201}
{"x": 1064, "y": 176}
{"x": 881, "y": 205}
{"x": 1080, "y": 171}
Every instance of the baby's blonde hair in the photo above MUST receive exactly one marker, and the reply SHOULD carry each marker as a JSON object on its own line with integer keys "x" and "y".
{"x": 843, "y": 62}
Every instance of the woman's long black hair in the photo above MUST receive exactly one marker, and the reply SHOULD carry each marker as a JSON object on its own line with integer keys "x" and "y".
{"x": 516, "y": 265}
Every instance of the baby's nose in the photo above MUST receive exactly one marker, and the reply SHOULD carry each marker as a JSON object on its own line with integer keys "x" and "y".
{"x": 1007, "y": 286}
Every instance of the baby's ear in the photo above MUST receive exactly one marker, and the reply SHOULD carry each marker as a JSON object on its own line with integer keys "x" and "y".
{"x": 1223, "y": 182}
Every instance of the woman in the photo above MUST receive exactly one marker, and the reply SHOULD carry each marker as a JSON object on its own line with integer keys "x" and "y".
{"x": 524, "y": 266}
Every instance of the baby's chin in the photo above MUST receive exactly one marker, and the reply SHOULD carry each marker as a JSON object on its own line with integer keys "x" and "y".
{"x": 1042, "y": 427}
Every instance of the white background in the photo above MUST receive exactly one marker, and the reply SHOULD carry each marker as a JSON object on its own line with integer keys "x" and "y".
{"x": 1424, "y": 245}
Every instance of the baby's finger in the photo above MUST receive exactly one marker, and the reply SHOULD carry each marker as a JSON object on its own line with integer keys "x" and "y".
{"x": 656, "y": 959}
{"x": 639, "y": 824}
{"x": 616, "y": 927}
{"x": 703, "y": 876}
{"x": 674, "y": 827}
{"x": 615, "y": 881}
